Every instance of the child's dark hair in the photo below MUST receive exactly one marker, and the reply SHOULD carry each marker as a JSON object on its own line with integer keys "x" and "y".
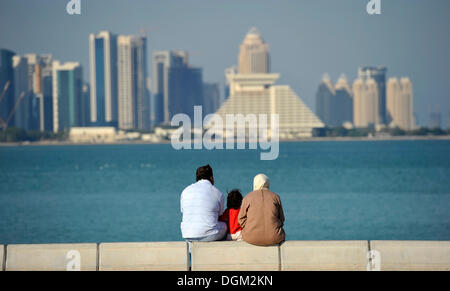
{"x": 234, "y": 199}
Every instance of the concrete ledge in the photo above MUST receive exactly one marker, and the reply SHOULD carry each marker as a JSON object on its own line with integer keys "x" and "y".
{"x": 413, "y": 255}
{"x": 233, "y": 256}
{"x": 324, "y": 255}
{"x": 49, "y": 257}
{"x": 2, "y": 258}
{"x": 152, "y": 256}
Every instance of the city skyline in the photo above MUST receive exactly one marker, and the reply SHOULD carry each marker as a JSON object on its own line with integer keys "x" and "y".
{"x": 303, "y": 46}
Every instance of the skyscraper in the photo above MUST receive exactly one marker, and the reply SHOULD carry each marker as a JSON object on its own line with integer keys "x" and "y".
{"x": 67, "y": 94}
{"x": 435, "y": 120}
{"x": 161, "y": 61}
{"x": 85, "y": 104}
{"x": 343, "y": 102}
{"x": 334, "y": 104}
{"x": 185, "y": 90}
{"x": 399, "y": 101}
{"x": 228, "y": 71}
{"x": 177, "y": 85}
{"x": 34, "y": 110}
{"x": 103, "y": 73}
{"x": 134, "y": 102}
{"x": 44, "y": 91}
{"x": 365, "y": 103}
{"x": 448, "y": 121}
{"x": 47, "y": 98}
{"x": 324, "y": 95}
{"x": 256, "y": 94}
{"x": 22, "y": 90}
{"x": 211, "y": 97}
{"x": 6, "y": 85}
{"x": 254, "y": 54}
{"x": 378, "y": 74}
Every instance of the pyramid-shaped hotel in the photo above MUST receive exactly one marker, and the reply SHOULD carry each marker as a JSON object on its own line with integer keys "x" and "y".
{"x": 252, "y": 91}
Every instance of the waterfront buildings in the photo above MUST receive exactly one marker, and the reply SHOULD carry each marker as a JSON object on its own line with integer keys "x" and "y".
{"x": 365, "y": 103}
{"x": 378, "y": 75}
{"x": 22, "y": 91}
{"x": 343, "y": 102}
{"x": 448, "y": 121}
{"x": 251, "y": 92}
{"x": 67, "y": 95}
{"x": 324, "y": 95}
{"x": 46, "y": 96}
{"x": 103, "y": 78}
{"x": 133, "y": 99}
{"x": 334, "y": 104}
{"x": 185, "y": 85}
{"x": 228, "y": 71}
{"x": 254, "y": 54}
{"x": 211, "y": 97}
{"x": 162, "y": 60}
{"x": 178, "y": 87}
{"x": 256, "y": 94}
{"x": 33, "y": 86}
{"x": 400, "y": 103}
{"x": 104, "y": 134}
{"x": 85, "y": 105}
{"x": 435, "y": 120}
{"x": 6, "y": 86}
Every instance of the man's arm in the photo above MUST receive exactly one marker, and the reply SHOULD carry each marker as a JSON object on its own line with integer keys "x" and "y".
{"x": 221, "y": 203}
{"x": 181, "y": 202}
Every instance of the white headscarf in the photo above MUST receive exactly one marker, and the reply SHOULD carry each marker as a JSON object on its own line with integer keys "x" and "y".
{"x": 261, "y": 181}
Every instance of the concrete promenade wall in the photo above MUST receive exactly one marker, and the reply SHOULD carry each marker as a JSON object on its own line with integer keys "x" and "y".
{"x": 225, "y": 255}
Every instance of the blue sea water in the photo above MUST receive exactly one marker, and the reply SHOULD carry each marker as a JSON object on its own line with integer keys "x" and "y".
{"x": 355, "y": 190}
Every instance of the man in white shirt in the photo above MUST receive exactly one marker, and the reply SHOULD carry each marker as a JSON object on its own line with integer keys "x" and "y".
{"x": 201, "y": 205}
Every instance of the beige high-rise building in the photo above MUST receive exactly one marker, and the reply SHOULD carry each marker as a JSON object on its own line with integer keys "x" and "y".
{"x": 365, "y": 103}
{"x": 133, "y": 104}
{"x": 254, "y": 54}
{"x": 400, "y": 103}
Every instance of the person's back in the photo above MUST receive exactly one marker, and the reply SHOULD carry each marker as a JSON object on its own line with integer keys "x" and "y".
{"x": 262, "y": 218}
{"x": 201, "y": 204}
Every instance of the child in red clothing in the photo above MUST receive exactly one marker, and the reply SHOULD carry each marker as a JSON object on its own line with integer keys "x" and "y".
{"x": 230, "y": 216}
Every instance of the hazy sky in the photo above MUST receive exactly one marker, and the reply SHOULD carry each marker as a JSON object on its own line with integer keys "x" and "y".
{"x": 307, "y": 38}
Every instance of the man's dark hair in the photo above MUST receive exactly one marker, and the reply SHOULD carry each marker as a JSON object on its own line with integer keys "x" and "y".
{"x": 234, "y": 199}
{"x": 204, "y": 172}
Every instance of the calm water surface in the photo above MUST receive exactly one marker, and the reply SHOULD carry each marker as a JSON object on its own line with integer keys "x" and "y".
{"x": 329, "y": 190}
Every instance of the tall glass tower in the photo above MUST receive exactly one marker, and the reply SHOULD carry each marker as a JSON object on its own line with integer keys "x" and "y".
{"x": 103, "y": 75}
{"x": 67, "y": 95}
{"x": 134, "y": 103}
{"x": 6, "y": 83}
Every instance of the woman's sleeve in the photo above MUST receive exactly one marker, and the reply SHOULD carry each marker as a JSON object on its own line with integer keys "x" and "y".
{"x": 242, "y": 217}
{"x": 280, "y": 211}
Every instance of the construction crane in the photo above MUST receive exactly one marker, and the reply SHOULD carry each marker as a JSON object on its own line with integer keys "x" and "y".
{"x": 3, "y": 123}
{"x": 147, "y": 30}
{"x": 4, "y": 90}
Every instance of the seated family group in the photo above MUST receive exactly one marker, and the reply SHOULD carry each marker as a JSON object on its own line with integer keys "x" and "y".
{"x": 257, "y": 218}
